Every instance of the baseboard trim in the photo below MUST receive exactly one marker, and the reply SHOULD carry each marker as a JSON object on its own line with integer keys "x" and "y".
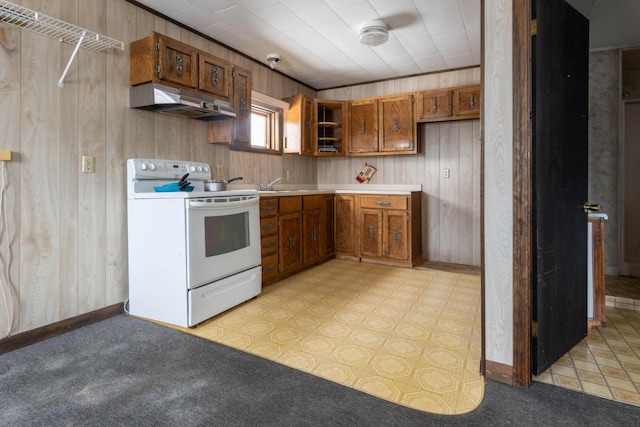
{"x": 499, "y": 372}
{"x": 24, "y": 339}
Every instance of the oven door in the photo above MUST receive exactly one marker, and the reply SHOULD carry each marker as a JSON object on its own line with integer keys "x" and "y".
{"x": 223, "y": 237}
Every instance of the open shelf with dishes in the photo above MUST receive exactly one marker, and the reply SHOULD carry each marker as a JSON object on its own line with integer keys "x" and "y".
{"x": 329, "y": 130}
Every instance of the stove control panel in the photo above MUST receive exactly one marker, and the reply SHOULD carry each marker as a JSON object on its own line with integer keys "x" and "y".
{"x": 167, "y": 169}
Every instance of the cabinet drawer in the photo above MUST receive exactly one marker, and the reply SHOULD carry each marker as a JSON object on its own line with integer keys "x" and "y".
{"x": 269, "y": 245}
{"x": 268, "y": 226}
{"x": 268, "y": 207}
{"x": 312, "y": 202}
{"x": 269, "y": 268}
{"x": 383, "y": 202}
{"x": 290, "y": 204}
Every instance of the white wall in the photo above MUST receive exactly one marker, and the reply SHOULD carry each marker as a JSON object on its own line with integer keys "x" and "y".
{"x": 604, "y": 114}
{"x": 498, "y": 180}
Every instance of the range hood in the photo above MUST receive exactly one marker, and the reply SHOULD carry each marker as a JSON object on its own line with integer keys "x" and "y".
{"x": 179, "y": 102}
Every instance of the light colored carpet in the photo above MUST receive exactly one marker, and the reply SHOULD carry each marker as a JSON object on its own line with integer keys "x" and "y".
{"x": 410, "y": 336}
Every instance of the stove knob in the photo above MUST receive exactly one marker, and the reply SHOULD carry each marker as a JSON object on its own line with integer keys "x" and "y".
{"x": 199, "y": 168}
{"x": 205, "y": 169}
{"x": 143, "y": 167}
{"x": 192, "y": 168}
{"x": 152, "y": 167}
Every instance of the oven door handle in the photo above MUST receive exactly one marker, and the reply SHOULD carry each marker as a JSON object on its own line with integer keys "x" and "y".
{"x": 207, "y": 204}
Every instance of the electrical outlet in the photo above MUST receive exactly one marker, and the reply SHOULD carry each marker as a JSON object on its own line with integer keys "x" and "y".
{"x": 447, "y": 173}
{"x": 219, "y": 170}
{"x": 88, "y": 164}
{"x": 288, "y": 174}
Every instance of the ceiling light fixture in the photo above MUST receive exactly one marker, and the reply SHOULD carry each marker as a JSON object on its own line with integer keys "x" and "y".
{"x": 374, "y": 33}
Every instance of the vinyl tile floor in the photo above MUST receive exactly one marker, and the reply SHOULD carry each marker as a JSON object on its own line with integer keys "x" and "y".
{"x": 607, "y": 362}
{"x": 411, "y": 336}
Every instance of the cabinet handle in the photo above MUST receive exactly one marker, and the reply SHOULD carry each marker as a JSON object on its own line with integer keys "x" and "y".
{"x": 243, "y": 105}
{"x": 396, "y": 126}
{"x": 371, "y": 233}
{"x": 268, "y": 226}
{"x": 308, "y": 124}
{"x": 268, "y": 245}
{"x": 395, "y": 234}
{"x": 313, "y": 235}
{"x": 214, "y": 76}
{"x": 268, "y": 208}
{"x": 268, "y": 267}
{"x": 473, "y": 100}
{"x": 179, "y": 64}
{"x": 435, "y": 104}
{"x": 292, "y": 244}
{"x": 383, "y": 203}
{"x": 362, "y": 127}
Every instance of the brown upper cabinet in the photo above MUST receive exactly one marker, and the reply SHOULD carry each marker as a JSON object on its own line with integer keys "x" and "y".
{"x": 297, "y": 125}
{"x": 235, "y": 132}
{"x": 381, "y": 126}
{"x": 314, "y": 127}
{"x": 458, "y": 103}
{"x": 328, "y": 127}
{"x": 466, "y": 102}
{"x": 241, "y": 132}
{"x": 434, "y": 105}
{"x": 160, "y": 58}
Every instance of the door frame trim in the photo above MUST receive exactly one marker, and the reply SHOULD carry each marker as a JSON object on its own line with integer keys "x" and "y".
{"x": 522, "y": 194}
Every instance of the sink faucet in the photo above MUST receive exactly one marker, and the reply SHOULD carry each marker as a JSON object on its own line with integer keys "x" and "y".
{"x": 269, "y": 187}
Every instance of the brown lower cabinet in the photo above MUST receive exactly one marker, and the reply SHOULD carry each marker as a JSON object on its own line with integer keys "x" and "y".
{"x": 379, "y": 228}
{"x": 300, "y": 231}
{"x": 303, "y": 230}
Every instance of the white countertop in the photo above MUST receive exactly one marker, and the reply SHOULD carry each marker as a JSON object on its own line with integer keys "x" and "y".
{"x": 309, "y": 189}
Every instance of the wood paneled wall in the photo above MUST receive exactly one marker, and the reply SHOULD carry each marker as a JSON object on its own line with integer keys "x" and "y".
{"x": 450, "y": 206}
{"x": 65, "y": 236}
{"x": 64, "y": 240}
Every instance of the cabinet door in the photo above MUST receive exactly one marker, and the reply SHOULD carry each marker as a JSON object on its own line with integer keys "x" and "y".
{"x": 433, "y": 105}
{"x": 327, "y": 218}
{"x": 214, "y": 76}
{"x": 298, "y": 125}
{"x": 290, "y": 242}
{"x": 311, "y": 232}
{"x": 370, "y": 233}
{"x": 363, "y": 126}
{"x": 466, "y": 102}
{"x": 396, "y": 239}
{"x": 177, "y": 62}
{"x": 396, "y": 124}
{"x": 307, "y": 126}
{"x": 345, "y": 231}
{"x": 241, "y": 133}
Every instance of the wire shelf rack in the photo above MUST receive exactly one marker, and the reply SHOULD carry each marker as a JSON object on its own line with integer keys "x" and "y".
{"x": 56, "y": 29}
